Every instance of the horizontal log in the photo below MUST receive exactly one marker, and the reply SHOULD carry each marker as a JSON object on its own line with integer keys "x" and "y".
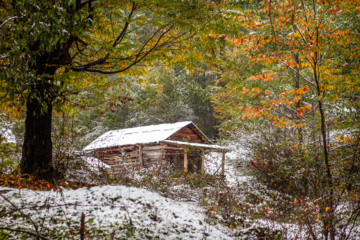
{"x": 187, "y": 140}
{"x": 186, "y": 130}
{"x": 151, "y": 148}
{"x": 129, "y": 148}
{"x": 134, "y": 165}
{"x": 132, "y": 159}
{"x": 152, "y": 154}
{"x": 173, "y": 154}
{"x": 132, "y": 155}
{"x": 175, "y": 148}
{"x": 186, "y": 135}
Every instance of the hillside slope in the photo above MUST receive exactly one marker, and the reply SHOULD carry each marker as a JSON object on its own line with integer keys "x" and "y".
{"x": 119, "y": 211}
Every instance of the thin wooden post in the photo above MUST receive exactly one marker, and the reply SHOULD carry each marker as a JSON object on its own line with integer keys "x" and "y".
{"x": 223, "y": 164}
{"x": 141, "y": 155}
{"x": 185, "y": 161}
{"x": 82, "y": 226}
{"x": 202, "y": 160}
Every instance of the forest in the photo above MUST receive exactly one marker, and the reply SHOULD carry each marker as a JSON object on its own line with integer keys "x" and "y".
{"x": 275, "y": 83}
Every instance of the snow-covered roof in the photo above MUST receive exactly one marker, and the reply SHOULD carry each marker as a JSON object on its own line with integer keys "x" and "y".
{"x": 138, "y": 135}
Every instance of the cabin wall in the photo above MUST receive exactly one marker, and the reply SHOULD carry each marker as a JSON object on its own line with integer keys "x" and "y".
{"x": 114, "y": 156}
{"x": 151, "y": 155}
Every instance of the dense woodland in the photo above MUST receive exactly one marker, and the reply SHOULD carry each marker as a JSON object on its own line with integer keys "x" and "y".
{"x": 277, "y": 82}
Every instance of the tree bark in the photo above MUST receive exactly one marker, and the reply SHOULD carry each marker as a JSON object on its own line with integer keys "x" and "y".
{"x": 37, "y": 148}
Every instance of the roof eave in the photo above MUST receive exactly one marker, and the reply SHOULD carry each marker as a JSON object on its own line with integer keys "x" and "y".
{"x": 200, "y": 145}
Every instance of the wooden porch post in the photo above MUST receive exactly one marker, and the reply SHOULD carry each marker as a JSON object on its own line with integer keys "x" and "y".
{"x": 185, "y": 161}
{"x": 141, "y": 155}
{"x": 202, "y": 160}
{"x": 223, "y": 164}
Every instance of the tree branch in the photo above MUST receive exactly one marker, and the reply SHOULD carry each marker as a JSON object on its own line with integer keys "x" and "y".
{"x": 137, "y": 57}
{"x": 24, "y": 231}
{"x": 18, "y": 209}
{"x": 12, "y": 18}
{"x": 122, "y": 34}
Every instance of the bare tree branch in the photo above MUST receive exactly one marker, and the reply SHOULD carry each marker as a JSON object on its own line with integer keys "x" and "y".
{"x": 12, "y": 18}
{"x": 24, "y": 231}
{"x": 122, "y": 34}
{"x": 25, "y": 215}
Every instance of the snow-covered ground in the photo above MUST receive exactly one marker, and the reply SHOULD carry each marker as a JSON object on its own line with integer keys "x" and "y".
{"x": 129, "y": 212}
{"x": 7, "y": 134}
{"x": 234, "y": 163}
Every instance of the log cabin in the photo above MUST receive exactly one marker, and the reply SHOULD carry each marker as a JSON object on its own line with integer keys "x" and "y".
{"x": 181, "y": 144}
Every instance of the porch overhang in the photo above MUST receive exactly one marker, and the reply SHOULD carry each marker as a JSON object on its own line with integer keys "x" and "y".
{"x": 211, "y": 147}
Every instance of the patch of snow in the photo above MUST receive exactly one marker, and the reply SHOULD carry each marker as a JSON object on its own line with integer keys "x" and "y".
{"x": 111, "y": 208}
{"x": 234, "y": 163}
{"x": 87, "y": 169}
{"x": 94, "y": 163}
{"x": 8, "y": 135}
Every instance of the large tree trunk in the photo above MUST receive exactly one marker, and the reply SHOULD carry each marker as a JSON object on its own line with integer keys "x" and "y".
{"x": 37, "y": 148}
